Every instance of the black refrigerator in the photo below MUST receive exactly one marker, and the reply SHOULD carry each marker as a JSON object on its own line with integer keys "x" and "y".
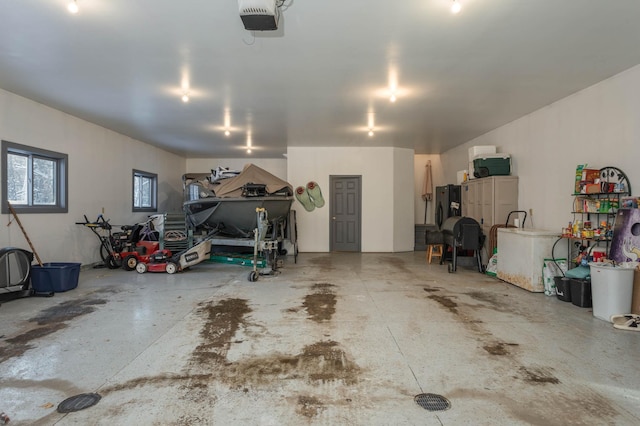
{"x": 448, "y": 202}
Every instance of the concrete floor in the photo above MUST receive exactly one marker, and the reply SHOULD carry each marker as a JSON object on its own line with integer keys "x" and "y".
{"x": 346, "y": 339}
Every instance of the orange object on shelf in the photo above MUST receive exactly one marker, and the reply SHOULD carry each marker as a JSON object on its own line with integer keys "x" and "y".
{"x": 590, "y": 175}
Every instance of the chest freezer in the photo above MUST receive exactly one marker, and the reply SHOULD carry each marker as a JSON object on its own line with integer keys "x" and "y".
{"x": 521, "y": 253}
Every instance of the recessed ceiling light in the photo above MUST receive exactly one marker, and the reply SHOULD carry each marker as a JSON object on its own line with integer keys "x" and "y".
{"x": 456, "y": 7}
{"x": 248, "y": 151}
{"x": 72, "y": 7}
{"x": 185, "y": 98}
{"x": 227, "y": 133}
{"x": 370, "y": 132}
{"x": 393, "y": 98}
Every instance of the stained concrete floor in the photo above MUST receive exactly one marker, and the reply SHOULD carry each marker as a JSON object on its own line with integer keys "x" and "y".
{"x": 341, "y": 339}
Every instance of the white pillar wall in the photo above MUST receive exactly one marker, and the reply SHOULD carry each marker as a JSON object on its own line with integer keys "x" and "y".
{"x": 387, "y": 194}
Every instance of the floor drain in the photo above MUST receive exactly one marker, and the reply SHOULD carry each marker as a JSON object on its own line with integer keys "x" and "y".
{"x": 432, "y": 402}
{"x": 78, "y": 402}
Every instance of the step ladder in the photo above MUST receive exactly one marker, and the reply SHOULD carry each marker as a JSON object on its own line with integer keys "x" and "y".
{"x": 176, "y": 235}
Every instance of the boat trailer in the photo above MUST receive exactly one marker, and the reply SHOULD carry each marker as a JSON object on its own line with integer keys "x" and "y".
{"x": 266, "y": 240}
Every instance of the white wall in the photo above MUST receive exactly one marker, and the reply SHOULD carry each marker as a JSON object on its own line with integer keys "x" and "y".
{"x": 100, "y": 176}
{"x": 275, "y": 166}
{"x": 403, "y": 200}
{"x": 599, "y": 125}
{"x": 377, "y": 166}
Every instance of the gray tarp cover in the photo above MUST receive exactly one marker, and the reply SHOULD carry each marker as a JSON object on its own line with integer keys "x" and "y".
{"x": 232, "y": 187}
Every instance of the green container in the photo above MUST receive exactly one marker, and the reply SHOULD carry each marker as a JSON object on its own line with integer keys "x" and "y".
{"x": 492, "y": 165}
{"x": 237, "y": 259}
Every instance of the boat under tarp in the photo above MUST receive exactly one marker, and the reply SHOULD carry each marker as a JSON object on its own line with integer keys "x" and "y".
{"x": 236, "y": 216}
{"x": 252, "y": 174}
{"x": 222, "y": 207}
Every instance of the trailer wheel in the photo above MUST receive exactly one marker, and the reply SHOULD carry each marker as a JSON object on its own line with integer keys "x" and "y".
{"x": 253, "y": 276}
{"x": 141, "y": 267}
{"x": 171, "y": 268}
{"x": 130, "y": 263}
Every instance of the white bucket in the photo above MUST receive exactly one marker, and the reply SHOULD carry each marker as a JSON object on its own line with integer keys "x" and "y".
{"x": 611, "y": 290}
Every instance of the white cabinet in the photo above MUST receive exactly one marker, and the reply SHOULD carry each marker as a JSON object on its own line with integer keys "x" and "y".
{"x": 489, "y": 200}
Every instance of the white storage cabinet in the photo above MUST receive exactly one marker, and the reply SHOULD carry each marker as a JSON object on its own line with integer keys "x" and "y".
{"x": 489, "y": 200}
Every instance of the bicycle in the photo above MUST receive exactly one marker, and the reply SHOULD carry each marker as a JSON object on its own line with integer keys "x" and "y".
{"x": 148, "y": 231}
{"x": 109, "y": 245}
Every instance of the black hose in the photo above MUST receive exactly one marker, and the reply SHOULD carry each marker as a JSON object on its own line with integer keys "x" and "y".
{"x": 554, "y": 258}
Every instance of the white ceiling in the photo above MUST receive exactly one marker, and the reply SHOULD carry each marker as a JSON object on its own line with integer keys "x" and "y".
{"x": 317, "y": 79}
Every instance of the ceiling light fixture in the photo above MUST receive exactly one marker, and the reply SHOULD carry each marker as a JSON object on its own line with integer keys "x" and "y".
{"x": 456, "y": 7}
{"x": 185, "y": 97}
{"x": 249, "y": 142}
{"x": 72, "y": 7}
{"x": 393, "y": 97}
{"x": 371, "y": 121}
{"x": 227, "y": 121}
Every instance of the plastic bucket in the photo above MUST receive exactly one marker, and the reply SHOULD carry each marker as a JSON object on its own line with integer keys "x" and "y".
{"x": 563, "y": 288}
{"x": 54, "y": 277}
{"x": 611, "y": 290}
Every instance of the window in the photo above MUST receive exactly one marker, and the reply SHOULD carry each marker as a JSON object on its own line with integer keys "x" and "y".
{"x": 145, "y": 191}
{"x": 35, "y": 180}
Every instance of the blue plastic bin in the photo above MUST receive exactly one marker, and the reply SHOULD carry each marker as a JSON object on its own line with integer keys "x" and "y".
{"x": 54, "y": 277}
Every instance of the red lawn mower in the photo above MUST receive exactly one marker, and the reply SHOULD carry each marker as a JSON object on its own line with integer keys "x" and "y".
{"x": 165, "y": 261}
{"x": 159, "y": 261}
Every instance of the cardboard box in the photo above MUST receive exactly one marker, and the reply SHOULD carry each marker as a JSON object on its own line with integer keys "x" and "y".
{"x": 592, "y": 188}
{"x": 635, "y": 298}
{"x": 629, "y": 203}
{"x": 578, "y": 178}
{"x": 474, "y": 151}
{"x": 590, "y": 175}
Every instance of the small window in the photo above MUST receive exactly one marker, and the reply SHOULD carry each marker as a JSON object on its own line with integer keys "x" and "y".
{"x": 145, "y": 191}
{"x": 35, "y": 180}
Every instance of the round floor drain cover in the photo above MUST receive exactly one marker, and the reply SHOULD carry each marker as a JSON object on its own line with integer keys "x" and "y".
{"x": 78, "y": 402}
{"x": 432, "y": 402}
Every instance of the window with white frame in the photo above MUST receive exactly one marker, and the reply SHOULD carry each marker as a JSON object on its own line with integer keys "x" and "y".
{"x": 34, "y": 179}
{"x": 145, "y": 191}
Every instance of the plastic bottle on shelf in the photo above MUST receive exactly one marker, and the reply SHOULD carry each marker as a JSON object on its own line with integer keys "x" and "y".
{"x": 577, "y": 228}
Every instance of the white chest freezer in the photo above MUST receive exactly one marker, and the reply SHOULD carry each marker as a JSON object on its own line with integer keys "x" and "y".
{"x": 521, "y": 253}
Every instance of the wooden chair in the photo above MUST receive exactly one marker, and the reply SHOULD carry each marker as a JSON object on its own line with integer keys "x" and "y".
{"x": 434, "y": 250}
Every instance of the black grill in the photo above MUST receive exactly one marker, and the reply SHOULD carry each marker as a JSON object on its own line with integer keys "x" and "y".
{"x": 462, "y": 233}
